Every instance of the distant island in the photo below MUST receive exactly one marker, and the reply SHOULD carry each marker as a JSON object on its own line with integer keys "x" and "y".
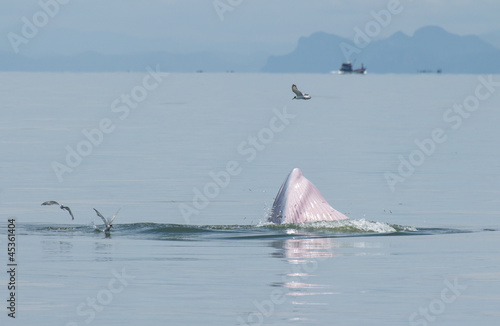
{"x": 429, "y": 49}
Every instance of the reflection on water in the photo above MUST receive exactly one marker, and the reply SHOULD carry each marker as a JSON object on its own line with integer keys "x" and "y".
{"x": 308, "y": 248}
{"x": 103, "y": 251}
{"x": 304, "y": 257}
{"x": 55, "y": 247}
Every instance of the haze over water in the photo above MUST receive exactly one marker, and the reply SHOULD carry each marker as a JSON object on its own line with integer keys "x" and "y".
{"x": 411, "y": 159}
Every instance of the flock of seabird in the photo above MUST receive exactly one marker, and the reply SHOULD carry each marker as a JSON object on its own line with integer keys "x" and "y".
{"x": 107, "y": 223}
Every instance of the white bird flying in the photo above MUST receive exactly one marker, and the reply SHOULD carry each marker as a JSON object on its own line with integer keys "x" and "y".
{"x": 107, "y": 224}
{"x": 298, "y": 94}
{"x": 51, "y": 202}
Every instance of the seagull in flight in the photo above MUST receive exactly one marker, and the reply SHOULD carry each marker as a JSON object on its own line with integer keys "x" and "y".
{"x": 107, "y": 223}
{"x": 298, "y": 94}
{"x": 51, "y": 202}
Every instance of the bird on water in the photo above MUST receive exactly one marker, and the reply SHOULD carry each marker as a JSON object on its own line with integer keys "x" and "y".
{"x": 107, "y": 224}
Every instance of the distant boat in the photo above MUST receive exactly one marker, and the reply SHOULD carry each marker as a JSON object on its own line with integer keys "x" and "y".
{"x": 429, "y": 71}
{"x": 347, "y": 69}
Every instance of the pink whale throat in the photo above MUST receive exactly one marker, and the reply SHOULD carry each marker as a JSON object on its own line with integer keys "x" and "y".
{"x": 299, "y": 201}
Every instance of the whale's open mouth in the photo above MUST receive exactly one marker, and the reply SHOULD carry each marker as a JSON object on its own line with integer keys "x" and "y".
{"x": 299, "y": 201}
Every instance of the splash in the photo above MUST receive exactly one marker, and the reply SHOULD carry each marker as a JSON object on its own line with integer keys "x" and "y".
{"x": 343, "y": 226}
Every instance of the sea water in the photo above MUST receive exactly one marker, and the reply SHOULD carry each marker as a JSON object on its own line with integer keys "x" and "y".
{"x": 193, "y": 162}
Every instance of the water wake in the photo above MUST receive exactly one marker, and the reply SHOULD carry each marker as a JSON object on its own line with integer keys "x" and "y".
{"x": 184, "y": 232}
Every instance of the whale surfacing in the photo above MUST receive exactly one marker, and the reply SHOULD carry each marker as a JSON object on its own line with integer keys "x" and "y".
{"x": 299, "y": 201}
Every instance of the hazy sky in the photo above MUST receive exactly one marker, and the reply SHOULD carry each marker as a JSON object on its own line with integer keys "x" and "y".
{"x": 271, "y": 26}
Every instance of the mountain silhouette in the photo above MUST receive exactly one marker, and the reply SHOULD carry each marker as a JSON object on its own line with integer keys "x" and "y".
{"x": 428, "y": 49}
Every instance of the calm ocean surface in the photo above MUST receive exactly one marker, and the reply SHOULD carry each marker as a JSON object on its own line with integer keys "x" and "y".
{"x": 193, "y": 162}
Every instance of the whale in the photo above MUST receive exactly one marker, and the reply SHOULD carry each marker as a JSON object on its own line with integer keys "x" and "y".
{"x": 299, "y": 201}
